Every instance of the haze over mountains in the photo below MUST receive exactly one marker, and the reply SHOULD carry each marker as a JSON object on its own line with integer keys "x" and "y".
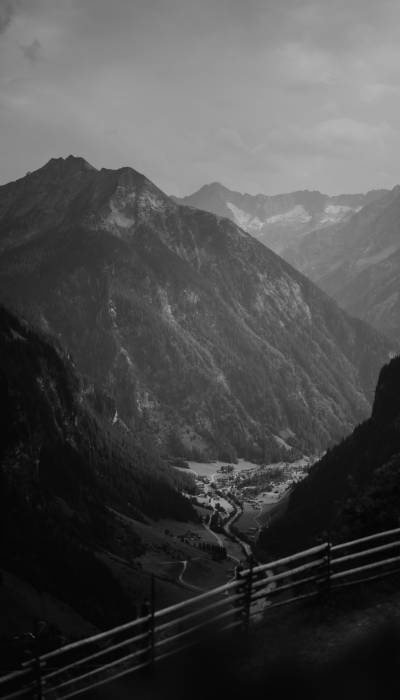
{"x": 347, "y": 244}
{"x": 203, "y": 338}
{"x": 279, "y": 220}
{"x": 358, "y": 262}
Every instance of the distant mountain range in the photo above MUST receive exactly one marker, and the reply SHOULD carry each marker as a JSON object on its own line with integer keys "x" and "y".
{"x": 348, "y": 244}
{"x": 358, "y": 262}
{"x": 279, "y": 220}
{"x": 205, "y": 341}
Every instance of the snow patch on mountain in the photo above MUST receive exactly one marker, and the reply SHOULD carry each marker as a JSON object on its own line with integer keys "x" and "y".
{"x": 333, "y": 213}
{"x": 241, "y": 217}
{"x": 244, "y": 219}
{"x": 367, "y": 260}
{"x": 297, "y": 215}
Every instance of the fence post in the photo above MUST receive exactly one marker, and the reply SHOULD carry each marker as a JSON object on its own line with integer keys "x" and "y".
{"x": 328, "y": 566}
{"x": 239, "y": 589}
{"x": 247, "y": 594}
{"x": 152, "y": 621}
{"x": 147, "y": 613}
{"x": 324, "y": 582}
{"x": 37, "y": 666}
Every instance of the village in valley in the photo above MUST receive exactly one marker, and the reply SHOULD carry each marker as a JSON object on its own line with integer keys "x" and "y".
{"x": 234, "y": 501}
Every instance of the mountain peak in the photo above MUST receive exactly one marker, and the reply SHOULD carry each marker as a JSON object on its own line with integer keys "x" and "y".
{"x": 68, "y": 165}
{"x": 213, "y": 186}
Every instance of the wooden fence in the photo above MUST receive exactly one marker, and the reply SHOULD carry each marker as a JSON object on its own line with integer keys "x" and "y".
{"x": 80, "y": 666}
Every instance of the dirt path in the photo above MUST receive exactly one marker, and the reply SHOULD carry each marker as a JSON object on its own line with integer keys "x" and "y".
{"x": 184, "y": 563}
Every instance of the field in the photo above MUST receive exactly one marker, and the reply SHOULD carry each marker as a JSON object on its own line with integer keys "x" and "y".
{"x": 210, "y": 468}
{"x": 274, "y": 509}
{"x": 248, "y": 519}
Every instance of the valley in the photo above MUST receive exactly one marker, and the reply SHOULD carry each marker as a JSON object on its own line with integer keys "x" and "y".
{"x": 161, "y": 342}
{"x": 199, "y": 349}
{"x": 232, "y": 501}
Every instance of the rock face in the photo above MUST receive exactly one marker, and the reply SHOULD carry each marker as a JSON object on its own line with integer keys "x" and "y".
{"x": 355, "y": 489}
{"x": 279, "y": 220}
{"x": 205, "y": 339}
{"x": 358, "y": 262}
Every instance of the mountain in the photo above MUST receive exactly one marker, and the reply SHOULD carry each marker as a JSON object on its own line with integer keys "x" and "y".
{"x": 354, "y": 490}
{"x": 278, "y": 220}
{"x": 63, "y": 468}
{"x": 207, "y": 342}
{"x": 358, "y": 262}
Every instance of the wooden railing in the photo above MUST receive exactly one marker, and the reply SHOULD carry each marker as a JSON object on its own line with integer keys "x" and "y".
{"x": 83, "y": 665}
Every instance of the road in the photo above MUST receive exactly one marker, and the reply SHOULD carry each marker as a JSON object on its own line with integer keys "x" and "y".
{"x": 227, "y": 528}
{"x": 184, "y": 563}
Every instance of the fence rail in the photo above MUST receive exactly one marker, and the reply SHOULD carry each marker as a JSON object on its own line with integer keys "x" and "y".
{"x": 75, "y": 668}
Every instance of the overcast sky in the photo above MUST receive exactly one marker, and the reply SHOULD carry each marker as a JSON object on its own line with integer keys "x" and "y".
{"x": 262, "y": 95}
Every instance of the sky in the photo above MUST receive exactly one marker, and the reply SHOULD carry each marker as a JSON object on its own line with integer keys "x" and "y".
{"x": 262, "y": 95}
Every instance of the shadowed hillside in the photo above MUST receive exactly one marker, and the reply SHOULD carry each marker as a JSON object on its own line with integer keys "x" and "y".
{"x": 63, "y": 465}
{"x": 355, "y": 489}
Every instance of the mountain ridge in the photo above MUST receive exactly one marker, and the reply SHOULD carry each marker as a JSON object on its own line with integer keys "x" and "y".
{"x": 282, "y": 219}
{"x": 199, "y": 333}
{"x": 358, "y": 262}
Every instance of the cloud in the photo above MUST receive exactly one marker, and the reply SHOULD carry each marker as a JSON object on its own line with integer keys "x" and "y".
{"x": 8, "y": 9}
{"x": 346, "y": 131}
{"x": 235, "y": 142}
{"x": 371, "y": 92}
{"x": 265, "y": 96}
{"x": 342, "y": 138}
{"x": 301, "y": 65}
{"x": 33, "y": 51}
